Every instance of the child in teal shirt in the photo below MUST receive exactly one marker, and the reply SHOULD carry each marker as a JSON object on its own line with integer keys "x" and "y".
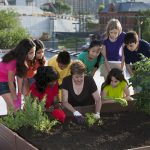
{"x": 92, "y": 57}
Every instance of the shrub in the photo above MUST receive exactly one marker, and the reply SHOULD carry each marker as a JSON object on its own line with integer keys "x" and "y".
{"x": 33, "y": 115}
{"x": 11, "y": 31}
{"x": 141, "y": 83}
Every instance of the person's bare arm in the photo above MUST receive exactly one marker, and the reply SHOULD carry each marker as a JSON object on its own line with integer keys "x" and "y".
{"x": 129, "y": 69}
{"x": 20, "y": 84}
{"x": 65, "y": 102}
{"x": 123, "y": 59}
{"x": 11, "y": 76}
{"x": 94, "y": 70}
{"x": 127, "y": 94}
{"x": 105, "y": 59}
{"x": 97, "y": 99}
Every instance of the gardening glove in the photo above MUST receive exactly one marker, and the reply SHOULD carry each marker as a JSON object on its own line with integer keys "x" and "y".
{"x": 17, "y": 104}
{"x": 79, "y": 119}
{"x": 76, "y": 113}
{"x": 97, "y": 115}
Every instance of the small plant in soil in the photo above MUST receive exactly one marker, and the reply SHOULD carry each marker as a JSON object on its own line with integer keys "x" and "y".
{"x": 33, "y": 115}
{"x": 141, "y": 83}
{"x": 91, "y": 120}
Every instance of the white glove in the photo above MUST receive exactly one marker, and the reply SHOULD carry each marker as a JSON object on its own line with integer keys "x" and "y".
{"x": 76, "y": 113}
{"x": 97, "y": 115}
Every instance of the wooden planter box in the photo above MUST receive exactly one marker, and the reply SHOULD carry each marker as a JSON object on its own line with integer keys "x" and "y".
{"x": 9, "y": 140}
{"x": 106, "y": 108}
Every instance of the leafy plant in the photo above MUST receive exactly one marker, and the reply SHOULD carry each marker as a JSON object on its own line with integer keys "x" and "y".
{"x": 141, "y": 83}
{"x": 91, "y": 120}
{"x": 123, "y": 102}
{"x": 33, "y": 115}
{"x": 11, "y": 31}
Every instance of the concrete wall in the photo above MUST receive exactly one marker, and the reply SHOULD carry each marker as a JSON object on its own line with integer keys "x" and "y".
{"x": 36, "y": 25}
{"x": 65, "y": 25}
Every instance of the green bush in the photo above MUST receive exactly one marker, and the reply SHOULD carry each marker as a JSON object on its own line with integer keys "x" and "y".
{"x": 33, "y": 115}
{"x": 141, "y": 83}
{"x": 11, "y": 31}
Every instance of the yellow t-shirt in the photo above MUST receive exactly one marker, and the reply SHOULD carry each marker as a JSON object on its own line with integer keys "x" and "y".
{"x": 62, "y": 73}
{"x": 115, "y": 92}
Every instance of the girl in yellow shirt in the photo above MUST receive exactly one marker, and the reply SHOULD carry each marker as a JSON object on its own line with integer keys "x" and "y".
{"x": 115, "y": 87}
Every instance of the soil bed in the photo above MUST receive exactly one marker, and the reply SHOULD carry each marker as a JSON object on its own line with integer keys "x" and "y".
{"x": 119, "y": 131}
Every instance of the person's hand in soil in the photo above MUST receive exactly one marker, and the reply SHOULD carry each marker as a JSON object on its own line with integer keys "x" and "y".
{"x": 78, "y": 118}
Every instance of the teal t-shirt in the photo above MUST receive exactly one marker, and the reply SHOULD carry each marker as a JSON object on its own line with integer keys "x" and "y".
{"x": 83, "y": 56}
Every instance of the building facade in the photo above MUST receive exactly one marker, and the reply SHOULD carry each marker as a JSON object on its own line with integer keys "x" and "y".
{"x": 36, "y": 3}
{"x": 82, "y": 6}
{"x": 126, "y": 13}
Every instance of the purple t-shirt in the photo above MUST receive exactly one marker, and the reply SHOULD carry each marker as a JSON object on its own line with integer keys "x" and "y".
{"x": 4, "y": 68}
{"x": 114, "y": 49}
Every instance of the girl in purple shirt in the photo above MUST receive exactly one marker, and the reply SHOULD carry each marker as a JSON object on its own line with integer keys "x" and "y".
{"x": 14, "y": 63}
{"x": 113, "y": 47}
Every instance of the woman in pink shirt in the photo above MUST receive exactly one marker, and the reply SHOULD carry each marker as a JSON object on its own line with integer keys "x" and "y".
{"x": 46, "y": 84}
{"x": 14, "y": 63}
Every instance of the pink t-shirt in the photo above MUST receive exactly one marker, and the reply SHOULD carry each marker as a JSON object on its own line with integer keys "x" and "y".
{"x": 4, "y": 68}
{"x": 51, "y": 92}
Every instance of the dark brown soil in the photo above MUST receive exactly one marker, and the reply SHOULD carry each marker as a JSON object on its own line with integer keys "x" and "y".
{"x": 119, "y": 131}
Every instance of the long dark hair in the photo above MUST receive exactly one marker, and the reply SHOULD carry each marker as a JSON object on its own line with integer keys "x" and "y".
{"x": 45, "y": 75}
{"x": 19, "y": 53}
{"x": 93, "y": 44}
{"x": 115, "y": 72}
{"x": 39, "y": 45}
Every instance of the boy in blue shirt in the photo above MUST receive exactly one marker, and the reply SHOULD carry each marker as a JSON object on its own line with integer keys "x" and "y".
{"x": 133, "y": 49}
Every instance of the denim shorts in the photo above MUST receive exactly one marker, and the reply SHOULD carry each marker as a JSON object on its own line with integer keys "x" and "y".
{"x": 4, "y": 88}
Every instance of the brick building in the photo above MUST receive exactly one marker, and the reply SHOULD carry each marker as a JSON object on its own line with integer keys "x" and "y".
{"x": 126, "y": 12}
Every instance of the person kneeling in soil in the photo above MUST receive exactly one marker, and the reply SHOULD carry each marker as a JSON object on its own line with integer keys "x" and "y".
{"x": 115, "y": 88}
{"x": 46, "y": 84}
{"x": 79, "y": 89}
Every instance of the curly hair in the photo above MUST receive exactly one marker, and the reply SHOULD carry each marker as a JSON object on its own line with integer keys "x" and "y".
{"x": 19, "y": 53}
{"x": 45, "y": 75}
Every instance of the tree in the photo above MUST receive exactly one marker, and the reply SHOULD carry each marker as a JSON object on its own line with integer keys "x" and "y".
{"x": 101, "y": 7}
{"x": 62, "y": 7}
{"x": 144, "y": 24}
{"x": 11, "y": 31}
